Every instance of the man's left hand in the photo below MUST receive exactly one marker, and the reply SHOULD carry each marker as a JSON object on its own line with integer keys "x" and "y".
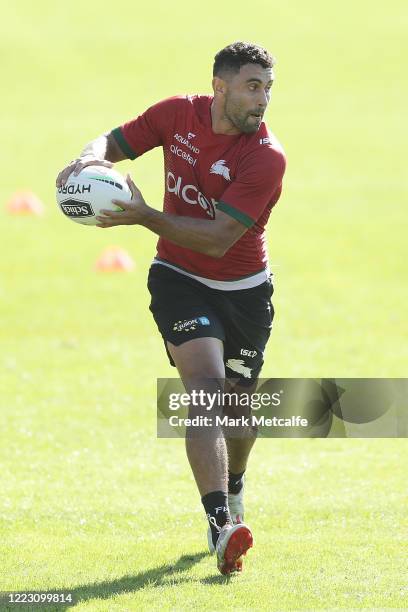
{"x": 133, "y": 212}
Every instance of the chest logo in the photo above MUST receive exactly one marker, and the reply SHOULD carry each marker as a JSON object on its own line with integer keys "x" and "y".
{"x": 220, "y": 168}
{"x": 187, "y": 142}
{"x": 190, "y": 194}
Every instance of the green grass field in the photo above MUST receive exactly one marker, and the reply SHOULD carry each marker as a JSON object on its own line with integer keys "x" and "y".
{"x": 90, "y": 500}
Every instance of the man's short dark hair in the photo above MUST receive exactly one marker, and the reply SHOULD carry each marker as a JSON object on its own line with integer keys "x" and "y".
{"x": 232, "y": 58}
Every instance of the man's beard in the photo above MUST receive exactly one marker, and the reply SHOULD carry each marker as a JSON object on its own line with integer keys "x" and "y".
{"x": 244, "y": 122}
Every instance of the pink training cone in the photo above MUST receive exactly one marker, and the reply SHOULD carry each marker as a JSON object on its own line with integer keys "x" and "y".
{"x": 114, "y": 259}
{"x": 25, "y": 203}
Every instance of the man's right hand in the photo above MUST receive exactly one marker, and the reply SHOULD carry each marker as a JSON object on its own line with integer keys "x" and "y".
{"x": 79, "y": 164}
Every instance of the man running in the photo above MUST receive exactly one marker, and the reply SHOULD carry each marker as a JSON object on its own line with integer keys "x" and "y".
{"x": 210, "y": 283}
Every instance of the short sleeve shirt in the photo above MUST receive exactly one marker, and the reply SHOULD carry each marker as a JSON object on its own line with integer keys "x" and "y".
{"x": 240, "y": 175}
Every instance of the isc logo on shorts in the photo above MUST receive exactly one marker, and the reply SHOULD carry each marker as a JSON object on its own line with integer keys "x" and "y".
{"x": 190, "y": 324}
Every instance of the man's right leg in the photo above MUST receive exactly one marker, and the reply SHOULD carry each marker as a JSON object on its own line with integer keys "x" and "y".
{"x": 201, "y": 367}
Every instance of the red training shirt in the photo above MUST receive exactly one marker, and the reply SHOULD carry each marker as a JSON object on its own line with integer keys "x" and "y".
{"x": 240, "y": 175}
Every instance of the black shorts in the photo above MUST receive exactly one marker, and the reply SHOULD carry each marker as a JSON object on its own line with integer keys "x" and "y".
{"x": 184, "y": 309}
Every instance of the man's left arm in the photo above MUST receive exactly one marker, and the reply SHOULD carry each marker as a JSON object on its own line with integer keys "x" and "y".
{"x": 238, "y": 209}
{"x": 211, "y": 237}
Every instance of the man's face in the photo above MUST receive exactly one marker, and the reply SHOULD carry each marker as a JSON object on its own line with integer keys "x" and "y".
{"x": 247, "y": 95}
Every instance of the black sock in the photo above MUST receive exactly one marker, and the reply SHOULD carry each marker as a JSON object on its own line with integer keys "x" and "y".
{"x": 216, "y": 507}
{"x": 235, "y": 482}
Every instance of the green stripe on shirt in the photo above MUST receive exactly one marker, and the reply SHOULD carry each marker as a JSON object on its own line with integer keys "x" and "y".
{"x": 235, "y": 214}
{"x": 122, "y": 142}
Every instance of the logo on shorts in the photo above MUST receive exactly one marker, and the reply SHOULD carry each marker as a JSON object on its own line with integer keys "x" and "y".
{"x": 237, "y": 365}
{"x": 219, "y": 167}
{"x": 190, "y": 324}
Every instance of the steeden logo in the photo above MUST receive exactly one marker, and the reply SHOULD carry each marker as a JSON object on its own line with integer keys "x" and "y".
{"x": 76, "y": 208}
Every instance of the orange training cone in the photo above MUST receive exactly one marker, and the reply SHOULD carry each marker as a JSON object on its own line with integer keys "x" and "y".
{"x": 114, "y": 259}
{"x": 25, "y": 203}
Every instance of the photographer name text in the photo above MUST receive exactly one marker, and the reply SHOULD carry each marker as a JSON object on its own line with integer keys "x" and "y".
{"x": 250, "y": 421}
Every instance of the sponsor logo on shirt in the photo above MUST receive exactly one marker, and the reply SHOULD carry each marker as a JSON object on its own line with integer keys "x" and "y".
{"x": 186, "y": 142}
{"x": 237, "y": 365}
{"x": 219, "y": 167}
{"x": 190, "y": 135}
{"x": 190, "y": 324}
{"x": 264, "y": 141}
{"x": 190, "y": 194}
{"x": 183, "y": 154}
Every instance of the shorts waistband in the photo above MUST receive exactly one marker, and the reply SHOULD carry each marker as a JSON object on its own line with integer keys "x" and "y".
{"x": 243, "y": 283}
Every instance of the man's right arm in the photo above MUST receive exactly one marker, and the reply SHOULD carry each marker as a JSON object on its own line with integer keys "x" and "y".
{"x": 129, "y": 141}
{"x": 103, "y": 151}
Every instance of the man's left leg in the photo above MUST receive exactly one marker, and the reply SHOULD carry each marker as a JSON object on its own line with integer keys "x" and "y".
{"x": 240, "y": 442}
{"x": 247, "y": 316}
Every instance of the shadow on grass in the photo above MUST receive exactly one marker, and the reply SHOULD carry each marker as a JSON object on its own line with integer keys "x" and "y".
{"x": 218, "y": 579}
{"x": 164, "y": 575}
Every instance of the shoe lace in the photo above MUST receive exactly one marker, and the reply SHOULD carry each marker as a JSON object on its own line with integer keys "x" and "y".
{"x": 213, "y": 522}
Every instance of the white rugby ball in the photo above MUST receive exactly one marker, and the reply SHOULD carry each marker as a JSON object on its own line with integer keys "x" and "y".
{"x": 93, "y": 189}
